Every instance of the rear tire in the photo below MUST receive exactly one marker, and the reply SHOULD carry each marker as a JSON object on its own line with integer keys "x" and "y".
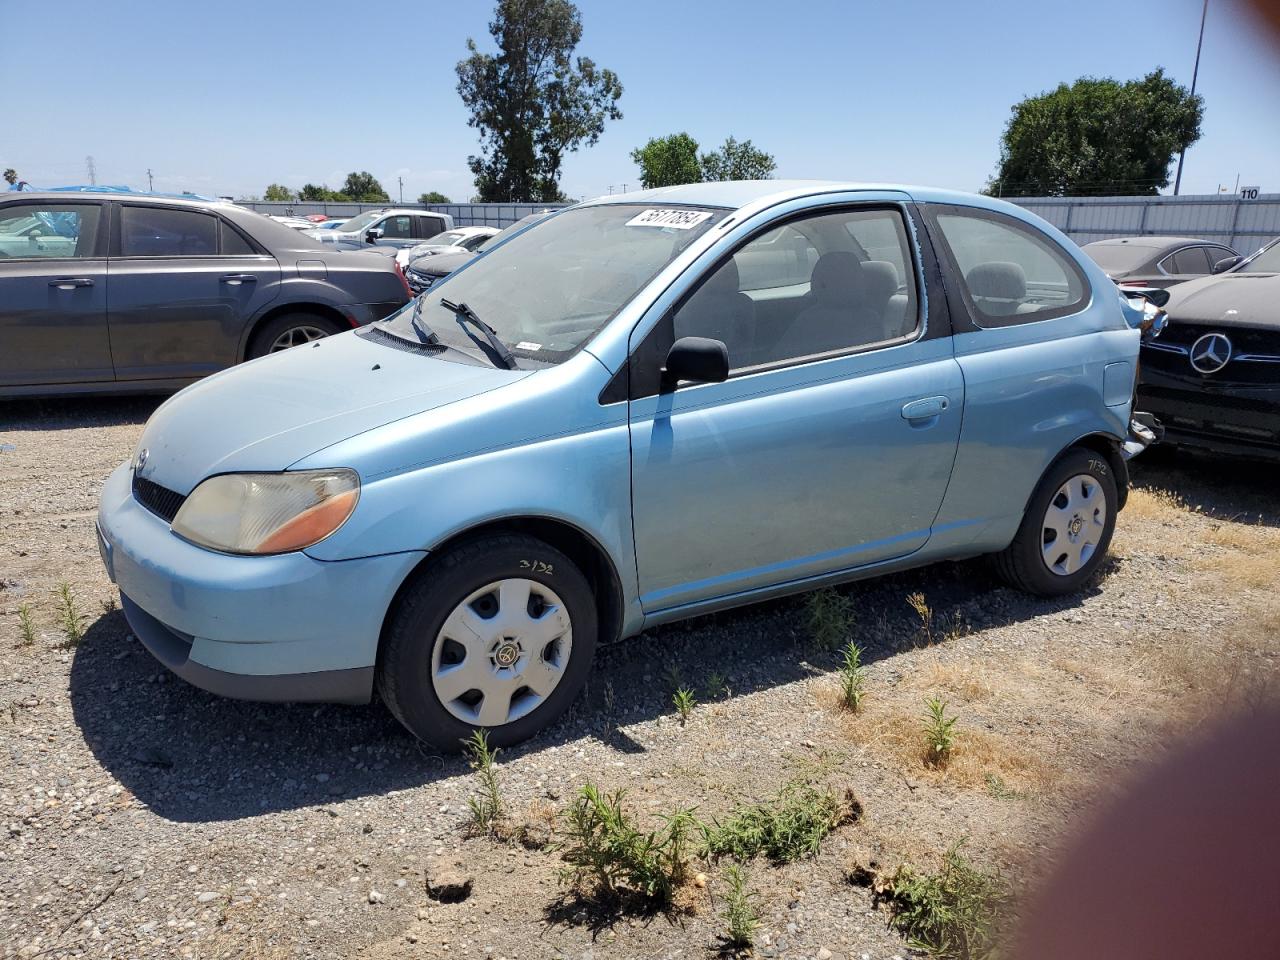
{"x": 290, "y": 330}
{"x": 496, "y": 634}
{"x": 1067, "y": 528}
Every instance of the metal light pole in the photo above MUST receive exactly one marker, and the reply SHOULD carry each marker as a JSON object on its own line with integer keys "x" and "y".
{"x": 1177, "y": 183}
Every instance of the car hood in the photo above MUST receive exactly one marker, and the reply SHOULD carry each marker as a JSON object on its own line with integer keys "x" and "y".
{"x": 437, "y": 265}
{"x": 1234, "y": 299}
{"x": 271, "y": 413}
{"x": 331, "y": 236}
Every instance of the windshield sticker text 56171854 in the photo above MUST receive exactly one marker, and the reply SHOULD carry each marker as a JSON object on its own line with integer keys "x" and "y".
{"x": 675, "y": 219}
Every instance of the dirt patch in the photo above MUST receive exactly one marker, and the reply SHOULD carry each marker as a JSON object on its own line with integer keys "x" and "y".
{"x": 142, "y": 817}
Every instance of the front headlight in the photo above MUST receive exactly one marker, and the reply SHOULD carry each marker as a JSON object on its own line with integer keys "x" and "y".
{"x": 264, "y": 513}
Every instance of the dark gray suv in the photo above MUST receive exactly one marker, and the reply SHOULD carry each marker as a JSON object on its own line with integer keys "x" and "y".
{"x": 111, "y": 292}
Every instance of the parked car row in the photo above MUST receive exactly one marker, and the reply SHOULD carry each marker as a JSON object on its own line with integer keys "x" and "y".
{"x": 104, "y": 292}
{"x": 390, "y": 227}
{"x": 428, "y": 268}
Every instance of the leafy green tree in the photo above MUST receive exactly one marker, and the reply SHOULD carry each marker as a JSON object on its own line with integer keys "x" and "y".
{"x": 1097, "y": 136}
{"x": 668, "y": 161}
{"x": 364, "y": 186}
{"x": 312, "y": 192}
{"x": 434, "y": 196}
{"x": 737, "y": 161}
{"x": 10, "y": 176}
{"x": 533, "y": 101}
{"x": 278, "y": 191}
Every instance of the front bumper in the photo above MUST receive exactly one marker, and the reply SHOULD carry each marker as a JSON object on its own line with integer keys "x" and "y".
{"x": 1241, "y": 422}
{"x": 285, "y": 627}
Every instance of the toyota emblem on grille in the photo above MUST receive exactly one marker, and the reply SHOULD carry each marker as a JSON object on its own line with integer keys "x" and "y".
{"x": 141, "y": 461}
{"x": 1210, "y": 353}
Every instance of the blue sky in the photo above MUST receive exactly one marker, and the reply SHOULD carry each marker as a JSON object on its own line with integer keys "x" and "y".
{"x": 224, "y": 98}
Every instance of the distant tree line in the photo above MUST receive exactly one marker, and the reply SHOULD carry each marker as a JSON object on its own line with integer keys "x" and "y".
{"x": 362, "y": 186}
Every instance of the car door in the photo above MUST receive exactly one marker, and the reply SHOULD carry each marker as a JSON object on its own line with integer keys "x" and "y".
{"x": 53, "y": 293}
{"x": 1042, "y": 364}
{"x": 183, "y": 284}
{"x": 830, "y": 445}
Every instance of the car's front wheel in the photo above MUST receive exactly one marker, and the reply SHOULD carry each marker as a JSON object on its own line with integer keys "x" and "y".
{"x": 496, "y": 634}
{"x": 1067, "y": 528}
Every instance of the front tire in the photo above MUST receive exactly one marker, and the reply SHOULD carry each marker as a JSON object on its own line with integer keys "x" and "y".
{"x": 497, "y": 634}
{"x": 1067, "y": 528}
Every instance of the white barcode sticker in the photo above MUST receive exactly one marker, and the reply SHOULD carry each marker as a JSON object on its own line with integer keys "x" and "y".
{"x": 528, "y": 345}
{"x": 675, "y": 219}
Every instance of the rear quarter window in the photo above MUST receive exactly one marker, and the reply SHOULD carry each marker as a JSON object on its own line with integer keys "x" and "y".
{"x": 1009, "y": 271}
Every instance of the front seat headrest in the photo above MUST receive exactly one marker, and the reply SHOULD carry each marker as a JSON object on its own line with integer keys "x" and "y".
{"x": 837, "y": 278}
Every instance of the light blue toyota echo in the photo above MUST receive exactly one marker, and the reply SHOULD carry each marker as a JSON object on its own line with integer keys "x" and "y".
{"x": 642, "y": 408}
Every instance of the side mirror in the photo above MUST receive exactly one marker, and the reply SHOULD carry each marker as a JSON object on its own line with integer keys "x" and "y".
{"x": 374, "y": 235}
{"x": 1222, "y": 266}
{"x": 696, "y": 359}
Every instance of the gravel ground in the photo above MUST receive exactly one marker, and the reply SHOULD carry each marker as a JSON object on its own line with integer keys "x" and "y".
{"x": 144, "y": 818}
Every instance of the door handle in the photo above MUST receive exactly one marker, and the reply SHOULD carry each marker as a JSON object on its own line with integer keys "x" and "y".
{"x": 235, "y": 279}
{"x": 70, "y": 283}
{"x": 925, "y": 408}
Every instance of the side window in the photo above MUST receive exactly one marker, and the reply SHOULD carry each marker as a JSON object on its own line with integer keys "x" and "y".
{"x": 1190, "y": 260}
{"x": 396, "y": 228}
{"x": 233, "y": 244}
{"x": 427, "y": 227}
{"x": 161, "y": 232}
{"x": 49, "y": 230}
{"x": 819, "y": 285}
{"x": 1012, "y": 274}
{"x": 781, "y": 258}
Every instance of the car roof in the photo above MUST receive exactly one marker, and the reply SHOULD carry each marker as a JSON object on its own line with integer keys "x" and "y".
{"x": 71, "y": 196}
{"x": 1152, "y": 243}
{"x": 735, "y": 194}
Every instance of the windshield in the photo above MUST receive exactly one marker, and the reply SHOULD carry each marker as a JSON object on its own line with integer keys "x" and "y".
{"x": 549, "y": 289}
{"x": 447, "y": 239}
{"x": 1266, "y": 260}
{"x": 362, "y": 222}
{"x": 1117, "y": 257}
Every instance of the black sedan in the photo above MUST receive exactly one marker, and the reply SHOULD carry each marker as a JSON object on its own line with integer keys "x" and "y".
{"x": 1213, "y": 376}
{"x": 1161, "y": 262}
{"x": 125, "y": 292}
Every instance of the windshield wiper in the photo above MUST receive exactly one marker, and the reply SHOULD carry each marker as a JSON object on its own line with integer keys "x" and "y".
{"x": 425, "y": 333}
{"x": 463, "y": 312}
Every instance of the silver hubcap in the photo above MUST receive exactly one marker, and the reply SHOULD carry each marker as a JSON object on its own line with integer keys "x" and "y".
{"x": 1073, "y": 525}
{"x": 296, "y": 337}
{"x": 501, "y": 652}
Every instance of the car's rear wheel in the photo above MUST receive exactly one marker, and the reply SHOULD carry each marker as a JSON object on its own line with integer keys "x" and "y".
{"x": 291, "y": 330}
{"x": 1067, "y": 528}
{"x": 497, "y": 634}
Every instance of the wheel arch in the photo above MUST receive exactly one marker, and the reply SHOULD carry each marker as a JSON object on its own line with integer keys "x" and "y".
{"x": 323, "y": 310}
{"x": 582, "y": 548}
{"x": 1109, "y": 447}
